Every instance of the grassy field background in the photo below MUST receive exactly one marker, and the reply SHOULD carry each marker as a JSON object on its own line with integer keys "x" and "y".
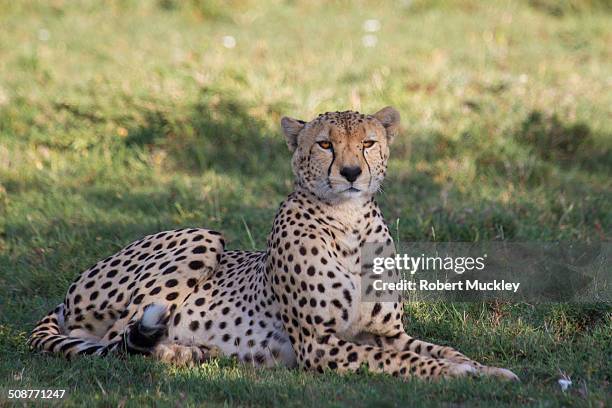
{"x": 125, "y": 118}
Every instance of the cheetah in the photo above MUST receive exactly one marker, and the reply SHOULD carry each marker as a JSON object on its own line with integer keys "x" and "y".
{"x": 180, "y": 297}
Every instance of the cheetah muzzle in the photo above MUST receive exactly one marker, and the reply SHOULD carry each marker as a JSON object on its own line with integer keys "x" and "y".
{"x": 179, "y": 296}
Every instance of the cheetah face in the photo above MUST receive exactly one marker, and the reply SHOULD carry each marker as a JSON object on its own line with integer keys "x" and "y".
{"x": 341, "y": 155}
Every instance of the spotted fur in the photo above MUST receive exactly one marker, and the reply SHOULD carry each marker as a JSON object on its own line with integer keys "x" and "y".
{"x": 296, "y": 303}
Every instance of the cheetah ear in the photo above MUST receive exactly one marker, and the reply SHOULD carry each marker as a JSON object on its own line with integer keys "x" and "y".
{"x": 292, "y": 128}
{"x": 390, "y": 119}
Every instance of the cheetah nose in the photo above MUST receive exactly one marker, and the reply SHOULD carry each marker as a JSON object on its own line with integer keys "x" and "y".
{"x": 350, "y": 173}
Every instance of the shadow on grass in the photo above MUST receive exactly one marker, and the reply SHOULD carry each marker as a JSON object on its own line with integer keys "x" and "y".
{"x": 565, "y": 144}
{"x": 217, "y": 133}
{"x": 538, "y": 148}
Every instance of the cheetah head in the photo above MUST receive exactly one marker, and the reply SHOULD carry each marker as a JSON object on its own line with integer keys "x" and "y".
{"x": 341, "y": 155}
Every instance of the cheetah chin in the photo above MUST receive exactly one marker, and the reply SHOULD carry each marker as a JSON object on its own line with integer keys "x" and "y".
{"x": 180, "y": 297}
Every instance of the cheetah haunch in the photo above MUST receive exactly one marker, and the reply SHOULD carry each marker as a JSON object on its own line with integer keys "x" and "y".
{"x": 179, "y": 296}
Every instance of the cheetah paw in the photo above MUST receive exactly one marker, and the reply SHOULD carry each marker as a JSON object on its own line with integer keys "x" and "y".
{"x": 459, "y": 371}
{"x": 184, "y": 355}
{"x": 497, "y": 372}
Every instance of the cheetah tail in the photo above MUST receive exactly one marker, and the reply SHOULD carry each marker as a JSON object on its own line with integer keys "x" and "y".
{"x": 48, "y": 336}
{"x": 139, "y": 338}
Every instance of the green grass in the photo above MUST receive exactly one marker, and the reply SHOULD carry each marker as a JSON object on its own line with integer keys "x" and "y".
{"x": 122, "y": 119}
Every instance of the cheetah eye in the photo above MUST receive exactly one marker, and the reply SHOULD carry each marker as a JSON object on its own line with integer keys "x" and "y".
{"x": 369, "y": 143}
{"x": 325, "y": 144}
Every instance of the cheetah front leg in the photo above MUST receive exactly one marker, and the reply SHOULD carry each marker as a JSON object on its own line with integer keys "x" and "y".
{"x": 330, "y": 352}
{"x": 399, "y": 340}
{"x": 403, "y": 342}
